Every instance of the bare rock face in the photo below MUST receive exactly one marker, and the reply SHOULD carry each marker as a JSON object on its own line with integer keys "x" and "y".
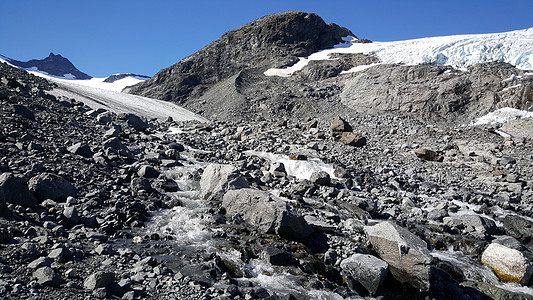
{"x": 509, "y": 264}
{"x": 407, "y": 255}
{"x": 259, "y": 43}
{"x": 438, "y": 91}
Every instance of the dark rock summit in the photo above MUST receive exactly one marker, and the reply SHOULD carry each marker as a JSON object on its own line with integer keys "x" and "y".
{"x": 272, "y": 41}
{"x": 55, "y": 65}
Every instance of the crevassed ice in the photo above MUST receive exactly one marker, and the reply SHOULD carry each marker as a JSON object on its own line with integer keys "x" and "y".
{"x": 459, "y": 51}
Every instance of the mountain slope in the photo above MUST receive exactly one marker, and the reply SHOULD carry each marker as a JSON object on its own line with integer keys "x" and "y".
{"x": 274, "y": 40}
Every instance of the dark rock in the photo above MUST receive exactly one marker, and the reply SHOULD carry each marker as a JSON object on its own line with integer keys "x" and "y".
{"x": 99, "y": 280}
{"x": 71, "y": 214}
{"x": 147, "y": 172}
{"x": 519, "y": 228}
{"x": 321, "y": 178}
{"x": 135, "y": 122}
{"x": 24, "y": 112}
{"x": 51, "y": 186}
{"x": 113, "y": 143}
{"x": 278, "y": 257}
{"x": 15, "y": 191}
{"x": 81, "y": 149}
{"x": 55, "y": 65}
{"x": 40, "y": 262}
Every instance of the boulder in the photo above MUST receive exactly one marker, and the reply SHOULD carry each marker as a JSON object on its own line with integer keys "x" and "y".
{"x": 519, "y": 228}
{"x": 428, "y": 155}
{"x": 81, "y": 149}
{"x": 367, "y": 270}
{"x": 407, "y": 255}
{"x": 321, "y": 178}
{"x": 147, "y": 171}
{"x": 70, "y": 213}
{"x": 99, "y": 280}
{"x": 135, "y": 122}
{"x": 15, "y": 191}
{"x": 46, "y": 276}
{"x": 51, "y": 186}
{"x": 338, "y": 126}
{"x": 113, "y": 143}
{"x": 509, "y": 264}
{"x": 265, "y": 212}
{"x": 352, "y": 139}
{"x": 217, "y": 179}
{"x": 278, "y": 169}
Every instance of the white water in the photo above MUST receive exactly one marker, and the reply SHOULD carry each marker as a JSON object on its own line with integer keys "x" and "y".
{"x": 474, "y": 271}
{"x": 301, "y": 169}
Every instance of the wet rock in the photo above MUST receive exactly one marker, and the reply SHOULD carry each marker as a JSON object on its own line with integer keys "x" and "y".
{"x": 15, "y": 191}
{"x": 367, "y": 270}
{"x": 407, "y": 255}
{"x": 278, "y": 170}
{"x": 519, "y": 228}
{"x": 478, "y": 224}
{"x": 81, "y": 149}
{"x": 267, "y": 213}
{"x": 509, "y": 264}
{"x": 321, "y": 178}
{"x": 278, "y": 257}
{"x": 147, "y": 172}
{"x": 494, "y": 292}
{"x": 51, "y": 186}
{"x": 46, "y": 276}
{"x": 428, "y": 155}
{"x": 217, "y": 179}
{"x": 98, "y": 280}
{"x": 508, "y": 241}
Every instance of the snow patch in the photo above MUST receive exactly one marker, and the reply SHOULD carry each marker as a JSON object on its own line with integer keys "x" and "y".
{"x": 501, "y": 116}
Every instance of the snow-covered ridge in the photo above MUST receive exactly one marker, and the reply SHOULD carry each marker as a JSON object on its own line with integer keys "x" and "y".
{"x": 459, "y": 51}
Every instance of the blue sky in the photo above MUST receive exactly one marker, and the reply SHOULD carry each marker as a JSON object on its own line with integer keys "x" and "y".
{"x": 107, "y": 37}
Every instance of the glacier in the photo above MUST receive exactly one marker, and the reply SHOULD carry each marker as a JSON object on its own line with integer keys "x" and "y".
{"x": 458, "y": 51}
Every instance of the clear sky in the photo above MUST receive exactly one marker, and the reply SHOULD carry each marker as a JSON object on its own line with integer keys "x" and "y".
{"x": 115, "y": 36}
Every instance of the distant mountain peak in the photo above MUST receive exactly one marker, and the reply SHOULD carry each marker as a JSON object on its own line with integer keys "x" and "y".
{"x": 55, "y": 65}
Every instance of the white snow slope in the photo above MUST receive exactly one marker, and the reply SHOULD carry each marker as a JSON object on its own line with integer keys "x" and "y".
{"x": 459, "y": 51}
{"x": 123, "y": 103}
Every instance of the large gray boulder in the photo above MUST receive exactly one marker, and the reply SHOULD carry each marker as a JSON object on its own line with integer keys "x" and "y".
{"x": 47, "y": 276}
{"x": 265, "y": 212}
{"x": 407, "y": 255}
{"x": 365, "y": 269}
{"x": 50, "y": 186}
{"x": 15, "y": 191}
{"x": 217, "y": 179}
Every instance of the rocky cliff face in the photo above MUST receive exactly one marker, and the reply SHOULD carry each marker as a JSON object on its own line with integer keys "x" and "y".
{"x": 441, "y": 92}
{"x": 55, "y": 65}
{"x": 272, "y": 41}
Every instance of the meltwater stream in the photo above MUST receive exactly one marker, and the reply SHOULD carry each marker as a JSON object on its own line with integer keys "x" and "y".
{"x": 194, "y": 233}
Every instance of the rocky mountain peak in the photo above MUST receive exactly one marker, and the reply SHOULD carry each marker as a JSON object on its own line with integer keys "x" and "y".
{"x": 55, "y": 65}
{"x": 271, "y": 41}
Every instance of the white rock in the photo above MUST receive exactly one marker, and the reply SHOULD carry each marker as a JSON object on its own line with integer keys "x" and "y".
{"x": 509, "y": 264}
